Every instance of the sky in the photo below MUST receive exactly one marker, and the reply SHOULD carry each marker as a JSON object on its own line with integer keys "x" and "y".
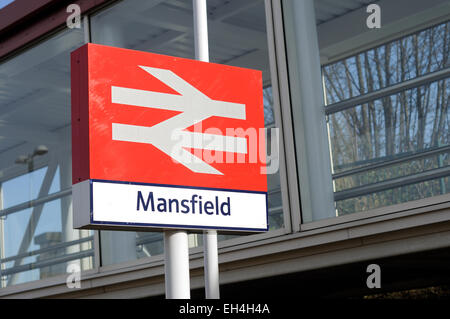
{"x": 4, "y": 3}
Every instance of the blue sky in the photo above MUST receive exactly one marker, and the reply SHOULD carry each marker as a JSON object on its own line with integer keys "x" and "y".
{"x": 4, "y": 3}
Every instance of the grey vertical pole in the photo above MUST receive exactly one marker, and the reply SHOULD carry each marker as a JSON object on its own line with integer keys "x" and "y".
{"x": 211, "y": 259}
{"x": 316, "y": 153}
{"x": 176, "y": 264}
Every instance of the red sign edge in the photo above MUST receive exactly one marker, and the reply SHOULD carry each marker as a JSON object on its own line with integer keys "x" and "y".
{"x": 80, "y": 113}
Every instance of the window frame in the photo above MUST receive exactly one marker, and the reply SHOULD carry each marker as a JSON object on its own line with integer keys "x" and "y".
{"x": 371, "y": 40}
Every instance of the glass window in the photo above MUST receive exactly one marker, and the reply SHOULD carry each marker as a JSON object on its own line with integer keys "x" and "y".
{"x": 36, "y": 235}
{"x": 395, "y": 62}
{"x": 390, "y": 150}
{"x": 237, "y": 36}
{"x": 383, "y": 112}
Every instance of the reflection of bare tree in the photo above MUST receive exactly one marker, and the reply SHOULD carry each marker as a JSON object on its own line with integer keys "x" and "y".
{"x": 404, "y": 123}
{"x": 268, "y": 104}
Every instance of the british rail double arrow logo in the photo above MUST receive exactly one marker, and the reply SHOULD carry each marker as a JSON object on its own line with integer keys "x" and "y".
{"x": 194, "y": 106}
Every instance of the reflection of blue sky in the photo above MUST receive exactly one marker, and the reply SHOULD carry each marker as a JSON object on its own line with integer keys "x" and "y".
{"x": 19, "y": 190}
{"x": 4, "y": 3}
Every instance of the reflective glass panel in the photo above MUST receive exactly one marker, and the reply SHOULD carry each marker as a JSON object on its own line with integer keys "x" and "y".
{"x": 37, "y": 239}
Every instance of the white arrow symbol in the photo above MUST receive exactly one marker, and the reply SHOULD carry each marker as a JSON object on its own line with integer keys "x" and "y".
{"x": 195, "y": 107}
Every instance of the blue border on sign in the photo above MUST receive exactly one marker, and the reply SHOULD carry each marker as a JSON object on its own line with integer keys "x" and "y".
{"x": 172, "y": 226}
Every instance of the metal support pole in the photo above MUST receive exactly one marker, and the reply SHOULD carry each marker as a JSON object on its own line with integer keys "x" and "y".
{"x": 176, "y": 264}
{"x": 211, "y": 259}
{"x": 201, "y": 30}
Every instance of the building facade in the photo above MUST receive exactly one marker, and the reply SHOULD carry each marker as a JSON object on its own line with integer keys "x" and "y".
{"x": 359, "y": 95}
